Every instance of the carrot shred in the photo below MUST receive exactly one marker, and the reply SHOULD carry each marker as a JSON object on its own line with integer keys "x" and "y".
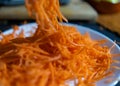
{"x": 54, "y": 54}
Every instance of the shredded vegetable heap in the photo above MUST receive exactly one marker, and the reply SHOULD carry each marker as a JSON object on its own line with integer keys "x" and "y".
{"x": 54, "y": 55}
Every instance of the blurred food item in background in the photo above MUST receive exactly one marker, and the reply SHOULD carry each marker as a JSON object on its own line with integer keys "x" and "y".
{"x": 72, "y": 9}
{"x": 108, "y": 13}
{"x": 110, "y": 21}
{"x": 111, "y": 1}
{"x": 106, "y": 6}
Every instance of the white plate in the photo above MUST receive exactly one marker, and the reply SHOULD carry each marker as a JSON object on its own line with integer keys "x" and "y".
{"x": 95, "y": 35}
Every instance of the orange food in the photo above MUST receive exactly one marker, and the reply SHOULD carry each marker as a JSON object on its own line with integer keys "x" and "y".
{"x": 54, "y": 54}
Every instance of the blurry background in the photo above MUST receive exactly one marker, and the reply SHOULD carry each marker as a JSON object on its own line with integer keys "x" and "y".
{"x": 100, "y": 15}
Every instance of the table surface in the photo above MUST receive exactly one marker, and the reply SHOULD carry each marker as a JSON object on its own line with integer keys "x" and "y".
{"x": 6, "y": 24}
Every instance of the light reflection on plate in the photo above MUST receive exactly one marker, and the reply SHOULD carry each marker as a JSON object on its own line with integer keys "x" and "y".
{"x": 95, "y": 35}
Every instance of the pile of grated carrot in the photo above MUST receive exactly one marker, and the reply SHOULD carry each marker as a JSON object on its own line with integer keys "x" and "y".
{"x": 54, "y": 55}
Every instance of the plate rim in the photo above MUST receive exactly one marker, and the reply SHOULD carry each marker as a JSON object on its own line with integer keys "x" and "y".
{"x": 76, "y": 25}
{"x": 71, "y": 24}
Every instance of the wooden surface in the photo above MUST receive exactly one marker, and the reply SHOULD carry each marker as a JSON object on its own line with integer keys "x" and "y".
{"x": 110, "y": 21}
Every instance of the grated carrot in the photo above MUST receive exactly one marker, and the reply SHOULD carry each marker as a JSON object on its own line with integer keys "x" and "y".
{"x": 54, "y": 54}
